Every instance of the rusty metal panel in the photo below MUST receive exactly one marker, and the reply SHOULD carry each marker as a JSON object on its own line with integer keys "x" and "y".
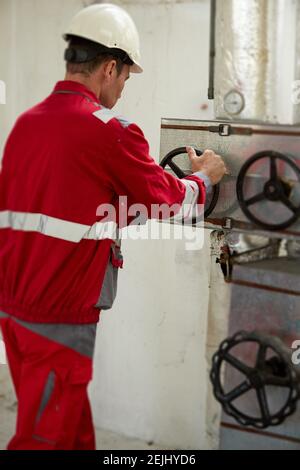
{"x": 264, "y": 284}
{"x": 270, "y": 312}
{"x": 237, "y": 142}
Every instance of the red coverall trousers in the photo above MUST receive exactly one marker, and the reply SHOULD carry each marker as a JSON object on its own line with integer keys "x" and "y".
{"x": 51, "y": 382}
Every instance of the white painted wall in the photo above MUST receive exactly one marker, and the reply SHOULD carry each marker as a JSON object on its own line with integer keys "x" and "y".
{"x": 150, "y": 369}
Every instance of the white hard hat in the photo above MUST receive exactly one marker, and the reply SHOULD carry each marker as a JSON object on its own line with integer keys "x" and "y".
{"x": 111, "y": 26}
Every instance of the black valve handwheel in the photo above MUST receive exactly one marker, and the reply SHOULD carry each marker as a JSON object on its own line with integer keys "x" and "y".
{"x": 275, "y": 371}
{"x": 168, "y": 160}
{"x": 275, "y": 189}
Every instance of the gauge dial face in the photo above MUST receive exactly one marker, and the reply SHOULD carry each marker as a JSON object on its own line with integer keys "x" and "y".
{"x": 234, "y": 102}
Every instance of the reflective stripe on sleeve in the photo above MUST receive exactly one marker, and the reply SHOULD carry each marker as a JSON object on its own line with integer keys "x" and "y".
{"x": 190, "y": 200}
{"x": 57, "y": 228}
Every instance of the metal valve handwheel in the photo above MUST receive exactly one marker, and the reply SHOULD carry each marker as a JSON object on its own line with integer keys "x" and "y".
{"x": 276, "y": 371}
{"x": 168, "y": 160}
{"x": 275, "y": 189}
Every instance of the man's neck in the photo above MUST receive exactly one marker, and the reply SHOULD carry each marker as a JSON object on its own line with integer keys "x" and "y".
{"x": 86, "y": 81}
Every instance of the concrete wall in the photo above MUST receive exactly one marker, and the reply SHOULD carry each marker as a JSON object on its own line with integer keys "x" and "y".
{"x": 150, "y": 369}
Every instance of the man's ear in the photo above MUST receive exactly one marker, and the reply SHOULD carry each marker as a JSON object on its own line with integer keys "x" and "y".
{"x": 109, "y": 68}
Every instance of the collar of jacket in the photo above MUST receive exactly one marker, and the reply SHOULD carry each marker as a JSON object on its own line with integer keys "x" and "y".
{"x": 70, "y": 86}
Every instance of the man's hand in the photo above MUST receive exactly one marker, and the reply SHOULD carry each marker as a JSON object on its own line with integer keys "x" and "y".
{"x": 209, "y": 163}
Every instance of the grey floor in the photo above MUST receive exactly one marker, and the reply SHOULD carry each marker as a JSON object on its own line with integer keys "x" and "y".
{"x": 106, "y": 440}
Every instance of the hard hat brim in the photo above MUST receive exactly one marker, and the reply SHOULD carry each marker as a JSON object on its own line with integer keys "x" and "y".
{"x": 135, "y": 68}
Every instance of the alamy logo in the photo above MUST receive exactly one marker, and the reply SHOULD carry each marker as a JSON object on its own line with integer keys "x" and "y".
{"x": 3, "y": 360}
{"x": 296, "y": 354}
{"x": 2, "y": 92}
{"x": 296, "y": 92}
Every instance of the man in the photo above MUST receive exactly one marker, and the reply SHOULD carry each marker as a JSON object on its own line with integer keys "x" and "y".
{"x": 58, "y": 262}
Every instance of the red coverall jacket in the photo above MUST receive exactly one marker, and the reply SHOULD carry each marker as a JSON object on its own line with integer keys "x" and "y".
{"x": 64, "y": 158}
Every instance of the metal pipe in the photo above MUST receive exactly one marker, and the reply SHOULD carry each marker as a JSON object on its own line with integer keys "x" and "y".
{"x": 255, "y": 60}
{"x": 212, "y": 50}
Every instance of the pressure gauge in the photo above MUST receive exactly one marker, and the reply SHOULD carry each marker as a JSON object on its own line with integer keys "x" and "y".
{"x": 234, "y": 102}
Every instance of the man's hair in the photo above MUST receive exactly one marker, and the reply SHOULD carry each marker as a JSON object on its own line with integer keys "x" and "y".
{"x": 93, "y": 55}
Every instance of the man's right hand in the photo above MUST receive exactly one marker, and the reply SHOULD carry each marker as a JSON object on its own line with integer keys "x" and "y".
{"x": 209, "y": 163}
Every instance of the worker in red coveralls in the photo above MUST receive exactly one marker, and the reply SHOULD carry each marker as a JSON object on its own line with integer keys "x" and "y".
{"x": 58, "y": 262}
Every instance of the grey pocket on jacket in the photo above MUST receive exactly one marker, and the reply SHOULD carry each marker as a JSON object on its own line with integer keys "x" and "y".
{"x": 109, "y": 288}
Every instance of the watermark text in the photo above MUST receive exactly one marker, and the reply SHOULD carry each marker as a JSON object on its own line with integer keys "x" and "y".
{"x": 296, "y": 353}
{"x": 2, "y": 92}
{"x": 3, "y": 360}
